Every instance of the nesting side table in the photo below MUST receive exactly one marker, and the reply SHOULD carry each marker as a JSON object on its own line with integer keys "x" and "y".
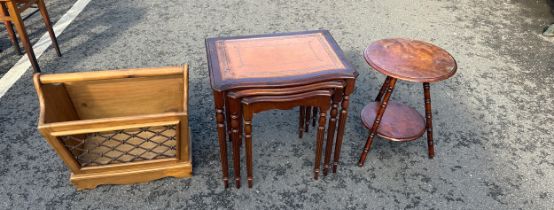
{"x": 408, "y": 60}
{"x": 273, "y": 62}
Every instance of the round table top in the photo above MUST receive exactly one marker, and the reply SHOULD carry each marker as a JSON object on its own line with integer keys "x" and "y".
{"x": 410, "y": 60}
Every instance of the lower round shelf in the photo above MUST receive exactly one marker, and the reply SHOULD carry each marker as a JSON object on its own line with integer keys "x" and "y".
{"x": 399, "y": 123}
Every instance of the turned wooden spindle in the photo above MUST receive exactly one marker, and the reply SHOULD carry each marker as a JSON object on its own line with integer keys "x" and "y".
{"x": 428, "y": 119}
{"x": 383, "y": 89}
{"x": 377, "y": 122}
{"x": 221, "y": 132}
{"x": 319, "y": 143}
{"x": 331, "y": 131}
{"x": 248, "y": 139}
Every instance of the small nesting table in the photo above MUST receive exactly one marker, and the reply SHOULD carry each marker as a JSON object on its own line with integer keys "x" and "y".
{"x": 408, "y": 60}
{"x": 275, "y": 65}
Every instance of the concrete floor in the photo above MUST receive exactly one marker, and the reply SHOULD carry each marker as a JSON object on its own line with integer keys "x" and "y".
{"x": 493, "y": 120}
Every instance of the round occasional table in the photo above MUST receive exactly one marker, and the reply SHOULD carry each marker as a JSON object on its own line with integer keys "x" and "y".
{"x": 409, "y": 60}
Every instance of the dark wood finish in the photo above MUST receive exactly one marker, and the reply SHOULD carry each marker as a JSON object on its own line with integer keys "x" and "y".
{"x": 308, "y": 119}
{"x": 377, "y": 122}
{"x": 399, "y": 122}
{"x": 349, "y": 88}
{"x": 233, "y": 98}
{"x": 235, "y": 109}
{"x": 273, "y": 61}
{"x": 221, "y": 133}
{"x": 383, "y": 89}
{"x": 428, "y": 119}
{"x": 331, "y": 130}
{"x": 302, "y": 113}
{"x": 319, "y": 142}
{"x": 276, "y": 61}
{"x": 410, "y": 60}
{"x": 11, "y": 13}
{"x": 315, "y": 113}
{"x": 251, "y": 105}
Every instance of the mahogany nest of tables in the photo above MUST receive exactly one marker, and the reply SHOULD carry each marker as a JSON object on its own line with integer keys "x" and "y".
{"x": 266, "y": 65}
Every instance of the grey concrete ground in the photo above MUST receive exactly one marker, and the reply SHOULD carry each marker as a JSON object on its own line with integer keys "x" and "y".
{"x": 493, "y": 120}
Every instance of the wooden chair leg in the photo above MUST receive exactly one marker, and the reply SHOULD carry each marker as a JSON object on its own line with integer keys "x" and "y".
{"x": 46, "y": 18}
{"x": 319, "y": 143}
{"x": 301, "y": 122}
{"x": 429, "y": 119}
{"x": 9, "y": 28}
{"x": 248, "y": 138}
{"x": 331, "y": 132}
{"x": 20, "y": 27}
{"x": 234, "y": 105}
{"x": 308, "y": 118}
{"x": 13, "y": 37}
{"x": 383, "y": 89}
{"x": 377, "y": 121}
{"x": 221, "y": 134}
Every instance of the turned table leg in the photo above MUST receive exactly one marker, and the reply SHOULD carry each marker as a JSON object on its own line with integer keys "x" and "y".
{"x": 248, "y": 138}
{"x": 319, "y": 142}
{"x": 234, "y": 107}
{"x": 429, "y": 120}
{"x": 221, "y": 133}
{"x": 349, "y": 88}
{"x": 331, "y": 131}
{"x": 383, "y": 89}
{"x": 228, "y": 119}
{"x": 377, "y": 121}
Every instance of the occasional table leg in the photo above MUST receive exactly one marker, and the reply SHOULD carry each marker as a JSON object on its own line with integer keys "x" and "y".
{"x": 429, "y": 119}
{"x": 377, "y": 121}
{"x": 331, "y": 131}
{"x": 383, "y": 89}
{"x": 248, "y": 138}
{"x": 308, "y": 118}
{"x": 301, "y": 122}
{"x": 349, "y": 88}
{"x": 221, "y": 133}
{"x": 319, "y": 142}
{"x": 234, "y": 106}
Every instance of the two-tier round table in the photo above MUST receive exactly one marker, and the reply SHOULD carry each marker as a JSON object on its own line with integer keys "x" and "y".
{"x": 408, "y": 60}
